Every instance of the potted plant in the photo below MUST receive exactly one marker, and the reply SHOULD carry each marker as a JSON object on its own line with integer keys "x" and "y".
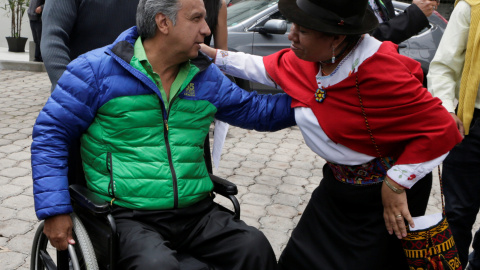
{"x": 16, "y": 9}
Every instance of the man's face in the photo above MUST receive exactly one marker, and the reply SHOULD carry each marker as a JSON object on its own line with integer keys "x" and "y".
{"x": 190, "y": 29}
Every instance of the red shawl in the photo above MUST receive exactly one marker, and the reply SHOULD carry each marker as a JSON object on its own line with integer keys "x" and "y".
{"x": 406, "y": 121}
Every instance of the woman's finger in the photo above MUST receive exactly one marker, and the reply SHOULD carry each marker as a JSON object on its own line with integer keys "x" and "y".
{"x": 397, "y": 225}
{"x": 388, "y": 224}
{"x": 402, "y": 231}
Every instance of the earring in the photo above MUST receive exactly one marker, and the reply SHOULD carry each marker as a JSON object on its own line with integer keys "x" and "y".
{"x": 333, "y": 55}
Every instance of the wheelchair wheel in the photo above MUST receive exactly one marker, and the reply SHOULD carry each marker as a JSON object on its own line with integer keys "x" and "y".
{"x": 41, "y": 255}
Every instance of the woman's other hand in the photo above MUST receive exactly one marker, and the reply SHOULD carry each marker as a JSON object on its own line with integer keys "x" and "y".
{"x": 395, "y": 210}
{"x": 459, "y": 123}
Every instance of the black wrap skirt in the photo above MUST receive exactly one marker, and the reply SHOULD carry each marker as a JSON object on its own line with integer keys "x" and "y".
{"x": 343, "y": 228}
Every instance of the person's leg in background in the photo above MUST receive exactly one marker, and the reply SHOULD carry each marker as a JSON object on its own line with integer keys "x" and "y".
{"x": 474, "y": 257}
{"x": 461, "y": 179}
{"x": 36, "y": 26}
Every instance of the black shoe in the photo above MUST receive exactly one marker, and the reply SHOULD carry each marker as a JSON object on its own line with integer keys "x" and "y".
{"x": 473, "y": 261}
{"x": 38, "y": 60}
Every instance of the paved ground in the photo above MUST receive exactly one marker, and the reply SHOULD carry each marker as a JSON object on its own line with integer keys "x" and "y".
{"x": 275, "y": 172}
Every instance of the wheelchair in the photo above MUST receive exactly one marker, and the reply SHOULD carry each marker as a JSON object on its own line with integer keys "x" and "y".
{"x": 94, "y": 228}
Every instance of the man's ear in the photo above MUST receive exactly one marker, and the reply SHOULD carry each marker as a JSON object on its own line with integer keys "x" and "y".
{"x": 162, "y": 22}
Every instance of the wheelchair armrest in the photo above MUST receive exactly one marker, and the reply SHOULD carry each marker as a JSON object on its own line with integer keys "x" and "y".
{"x": 223, "y": 186}
{"x": 87, "y": 199}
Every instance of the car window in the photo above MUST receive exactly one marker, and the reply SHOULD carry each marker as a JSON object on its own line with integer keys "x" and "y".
{"x": 245, "y": 9}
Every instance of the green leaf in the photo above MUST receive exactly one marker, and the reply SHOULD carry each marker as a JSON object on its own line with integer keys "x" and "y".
{"x": 15, "y": 9}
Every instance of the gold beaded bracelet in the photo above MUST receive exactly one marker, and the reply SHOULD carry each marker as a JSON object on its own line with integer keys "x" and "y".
{"x": 396, "y": 190}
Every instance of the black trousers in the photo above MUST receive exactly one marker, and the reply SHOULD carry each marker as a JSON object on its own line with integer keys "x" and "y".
{"x": 461, "y": 178}
{"x": 342, "y": 228}
{"x": 474, "y": 258}
{"x": 36, "y": 27}
{"x": 151, "y": 239}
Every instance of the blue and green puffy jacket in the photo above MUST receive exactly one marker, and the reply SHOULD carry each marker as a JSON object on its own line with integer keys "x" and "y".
{"x": 133, "y": 150}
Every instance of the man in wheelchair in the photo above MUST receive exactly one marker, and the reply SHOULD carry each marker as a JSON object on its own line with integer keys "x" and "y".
{"x": 141, "y": 108}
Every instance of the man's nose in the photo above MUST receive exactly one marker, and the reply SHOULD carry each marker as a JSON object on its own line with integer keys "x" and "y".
{"x": 205, "y": 29}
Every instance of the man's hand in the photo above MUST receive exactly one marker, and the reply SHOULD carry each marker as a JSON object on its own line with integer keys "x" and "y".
{"x": 38, "y": 10}
{"x": 58, "y": 230}
{"x": 426, "y": 6}
{"x": 395, "y": 210}
{"x": 459, "y": 123}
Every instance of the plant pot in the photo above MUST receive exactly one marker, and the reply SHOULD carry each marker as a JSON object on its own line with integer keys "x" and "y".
{"x": 16, "y": 44}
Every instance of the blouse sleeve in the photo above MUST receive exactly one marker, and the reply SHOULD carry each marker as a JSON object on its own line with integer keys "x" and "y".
{"x": 244, "y": 66}
{"x": 407, "y": 175}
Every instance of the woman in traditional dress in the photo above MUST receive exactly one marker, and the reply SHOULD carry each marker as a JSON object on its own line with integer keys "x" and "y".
{"x": 360, "y": 106}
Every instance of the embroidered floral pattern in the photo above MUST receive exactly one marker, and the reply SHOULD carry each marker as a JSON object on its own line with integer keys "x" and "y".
{"x": 355, "y": 64}
{"x": 224, "y": 53}
{"x": 402, "y": 173}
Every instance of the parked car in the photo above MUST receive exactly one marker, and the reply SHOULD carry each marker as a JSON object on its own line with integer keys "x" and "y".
{"x": 258, "y": 27}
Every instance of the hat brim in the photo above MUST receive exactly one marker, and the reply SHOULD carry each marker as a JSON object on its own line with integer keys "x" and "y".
{"x": 293, "y": 13}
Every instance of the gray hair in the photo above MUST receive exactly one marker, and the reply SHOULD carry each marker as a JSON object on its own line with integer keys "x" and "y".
{"x": 148, "y": 9}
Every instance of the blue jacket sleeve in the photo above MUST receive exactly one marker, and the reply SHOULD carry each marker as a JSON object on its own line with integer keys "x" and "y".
{"x": 66, "y": 115}
{"x": 251, "y": 110}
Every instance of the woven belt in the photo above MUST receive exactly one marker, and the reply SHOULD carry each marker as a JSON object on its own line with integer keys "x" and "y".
{"x": 365, "y": 174}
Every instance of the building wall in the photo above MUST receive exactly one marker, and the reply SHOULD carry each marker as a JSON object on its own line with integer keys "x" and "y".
{"x": 5, "y": 24}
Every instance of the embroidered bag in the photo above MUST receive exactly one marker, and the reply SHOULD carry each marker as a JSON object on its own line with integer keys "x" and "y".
{"x": 430, "y": 246}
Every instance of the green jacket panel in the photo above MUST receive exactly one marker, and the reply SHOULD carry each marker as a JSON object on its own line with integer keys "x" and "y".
{"x": 126, "y": 157}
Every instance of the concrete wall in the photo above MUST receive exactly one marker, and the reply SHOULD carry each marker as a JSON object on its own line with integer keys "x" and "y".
{"x": 5, "y": 28}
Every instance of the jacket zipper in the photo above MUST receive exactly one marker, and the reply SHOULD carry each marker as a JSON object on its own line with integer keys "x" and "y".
{"x": 149, "y": 83}
{"x": 170, "y": 161}
{"x": 111, "y": 185}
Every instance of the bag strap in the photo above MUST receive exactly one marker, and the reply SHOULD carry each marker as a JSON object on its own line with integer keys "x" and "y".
{"x": 441, "y": 189}
{"x": 378, "y": 150}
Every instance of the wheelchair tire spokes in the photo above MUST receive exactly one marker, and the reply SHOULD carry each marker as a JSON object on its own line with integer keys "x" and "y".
{"x": 47, "y": 260}
{"x": 40, "y": 242}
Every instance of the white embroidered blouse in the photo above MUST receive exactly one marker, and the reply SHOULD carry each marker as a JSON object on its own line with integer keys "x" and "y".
{"x": 251, "y": 67}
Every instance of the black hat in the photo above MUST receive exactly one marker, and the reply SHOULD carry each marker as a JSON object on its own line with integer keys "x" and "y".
{"x": 344, "y": 17}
